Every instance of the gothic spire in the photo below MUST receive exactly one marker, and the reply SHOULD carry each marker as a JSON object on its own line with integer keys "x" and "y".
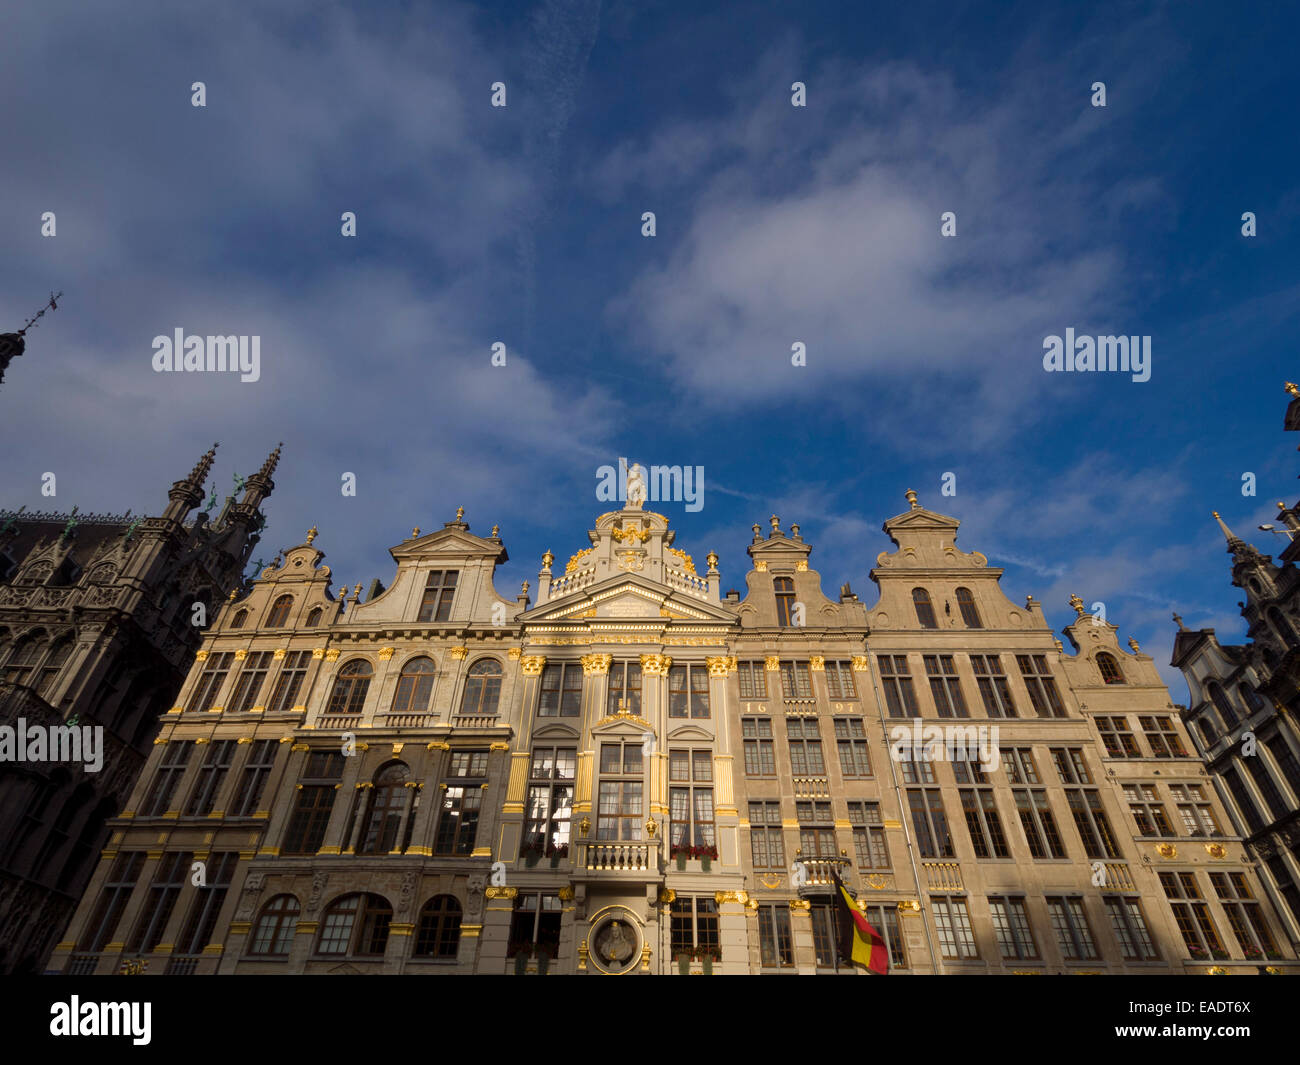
{"x": 1234, "y": 541}
{"x": 187, "y": 494}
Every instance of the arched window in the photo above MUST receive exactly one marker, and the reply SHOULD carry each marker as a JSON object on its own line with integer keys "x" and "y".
{"x": 355, "y": 924}
{"x": 1224, "y": 705}
{"x": 1251, "y": 697}
{"x": 439, "y": 933}
{"x": 969, "y": 613}
{"x": 1206, "y": 724}
{"x": 383, "y": 819}
{"x": 1110, "y": 671}
{"x": 784, "y": 601}
{"x": 924, "y": 608}
{"x": 279, "y": 615}
{"x": 350, "y": 688}
{"x": 313, "y": 619}
{"x": 414, "y": 687}
{"x": 27, "y": 652}
{"x": 482, "y": 688}
{"x": 273, "y": 933}
{"x": 57, "y": 659}
{"x": 239, "y": 620}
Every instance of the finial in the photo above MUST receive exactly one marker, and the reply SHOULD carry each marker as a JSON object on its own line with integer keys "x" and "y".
{"x": 712, "y": 559}
{"x": 460, "y": 513}
{"x": 415, "y": 532}
{"x": 547, "y": 559}
{"x": 1281, "y": 505}
{"x": 356, "y": 592}
{"x": 1290, "y": 387}
{"x": 1029, "y": 601}
{"x": 1059, "y": 646}
{"x": 794, "y": 530}
{"x": 496, "y": 530}
{"x": 776, "y": 525}
{"x": 1132, "y": 642}
{"x": 233, "y": 592}
{"x": 1077, "y": 603}
{"x": 523, "y": 589}
{"x": 1178, "y": 619}
{"x": 343, "y": 594}
{"x": 758, "y": 531}
{"x": 911, "y": 498}
{"x": 311, "y": 535}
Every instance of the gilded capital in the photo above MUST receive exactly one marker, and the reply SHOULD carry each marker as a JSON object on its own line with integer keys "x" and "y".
{"x": 531, "y": 665}
{"x": 860, "y": 663}
{"x": 596, "y": 665}
{"x": 717, "y": 666}
{"x": 655, "y": 665}
{"x": 280, "y": 652}
{"x": 241, "y": 654}
{"x": 493, "y": 892}
{"x": 515, "y": 652}
{"x": 201, "y": 656}
{"x": 318, "y": 653}
{"x": 385, "y": 653}
{"x": 332, "y": 655}
{"x": 800, "y": 904}
{"x": 723, "y": 897}
{"x": 817, "y": 663}
{"x": 772, "y": 664}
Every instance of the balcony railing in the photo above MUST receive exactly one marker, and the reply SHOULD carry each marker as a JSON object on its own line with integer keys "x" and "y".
{"x": 812, "y": 787}
{"x": 942, "y": 876}
{"x": 621, "y": 857}
{"x": 181, "y": 965}
{"x": 1118, "y": 877}
{"x": 476, "y": 720}
{"x": 820, "y": 871}
{"x": 405, "y": 720}
{"x": 81, "y": 965}
{"x": 339, "y": 721}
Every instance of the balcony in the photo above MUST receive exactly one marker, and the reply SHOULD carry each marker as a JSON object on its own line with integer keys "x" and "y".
{"x": 942, "y": 876}
{"x": 405, "y": 721}
{"x": 347, "y": 721}
{"x": 821, "y": 872}
{"x": 619, "y": 858}
{"x": 476, "y": 720}
{"x": 812, "y": 787}
{"x": 1118, "y": 878}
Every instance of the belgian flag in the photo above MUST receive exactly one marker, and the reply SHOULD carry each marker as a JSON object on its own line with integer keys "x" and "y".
{"x": 858, "y": 941}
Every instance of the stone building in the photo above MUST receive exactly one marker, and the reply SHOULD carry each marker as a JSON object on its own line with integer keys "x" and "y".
{"x": 97, "y": 633}
{"x": 1244, "y": 701}
{"x": 638, "y": 768}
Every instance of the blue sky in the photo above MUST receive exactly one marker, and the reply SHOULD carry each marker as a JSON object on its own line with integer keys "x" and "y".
{"x": 775, "y": 224}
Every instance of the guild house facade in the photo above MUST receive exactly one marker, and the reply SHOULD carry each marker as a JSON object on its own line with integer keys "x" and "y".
{"x": 640, "y": 774}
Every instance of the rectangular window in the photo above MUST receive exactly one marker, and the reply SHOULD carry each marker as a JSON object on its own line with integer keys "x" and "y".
{"x": 869, "y": 845}
{"x": 535, "y": 923}
{"x": 212, "y": 774}
{"x": 1147, "y": 809}
{"x": 1286, "y": 761}
{"x": 1245, "y": 802}
{"x": 561, "y": 691}
{"x": 248, "y": 685}
{"x": 694, "y": 925}
{"x": 915, "y": 766}
{"x": 1192, "y": 915}
{"x": 816, "y": 830}
{"x": 884, "y": 919}
{"x": 952, "y": 924}
{"x": 824, "y": 934}
{"x": 775, "y": 941}
{"x": 1117, "y": 737}
{"x": 766, "y": 843}
{"x": 688, "y": 691}
{"x": 897, "y": 682}
{"x": 930, "y": 823}
{"x": 1040, "y": 683}
{"x": 314, "y": 803}
{"x": 1245, "y": 917}
{"x": 462, "y": 801}
{"x": 690, "y": 807}
{"x": 1020, "y": 765}
{"x": 288, "y": 684}
{"x": 796, "y": 681}
{"x": 992, "y": 683}
{"x": 1011, "y": 925}
{"x": 1092, "y": 823}
{"x": 753, "y": 680}
{"x": 122, "y": 877}
{"x": 984, "y": 824}
{"x": 760, "y": 754}
{"x": 550, "y": 798}
{"x": 207, "y": 903}
{"x": 1070, "y": 766}
{"x": 944, "y": 686}
{"x": 212, "y": 678}
{"x": 253, "y": 778}
{"x": 1038, "y": 822}
{"x": 805, "y": 747}
{"x": 1130, "y": 927}
{"x": 619, "y": 809}
{"x": 172, "y": 874}
{"x": 1073, "y": 934}
{"x": 851, "y": 740}
{"x": 839, "y": 680}
{"x": 624, "y": 688}
{"x": 1196, "y": 813}
{"x": 1267, "y": 787}
{"x": 176, "y": 759}
{"x": 1162, "y": 737}
{"x": 439, "y": 590}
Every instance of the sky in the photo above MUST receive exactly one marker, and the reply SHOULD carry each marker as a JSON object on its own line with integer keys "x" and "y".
{"x": 775, "y": 225}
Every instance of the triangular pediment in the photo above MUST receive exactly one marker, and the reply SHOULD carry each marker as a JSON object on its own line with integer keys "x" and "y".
{"x": 450, "y": 542}
{"x": 920, "y": 518}
{"x": 629, "y": 597}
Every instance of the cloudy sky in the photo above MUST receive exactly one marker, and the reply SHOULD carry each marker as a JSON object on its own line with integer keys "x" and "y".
{"x": 774, "y": 225}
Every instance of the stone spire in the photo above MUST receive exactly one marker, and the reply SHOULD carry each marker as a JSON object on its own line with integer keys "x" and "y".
{"x": 1234, "y": 541}
{"x": 259, "y": 486}
{"x": 187, "y": 494}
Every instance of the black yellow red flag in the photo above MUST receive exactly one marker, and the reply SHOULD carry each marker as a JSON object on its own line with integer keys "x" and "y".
{"x": 859, "y": 942}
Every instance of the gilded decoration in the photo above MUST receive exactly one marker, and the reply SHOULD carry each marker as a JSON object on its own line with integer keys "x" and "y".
{"x": 596, "y": 665}
{"x": 332, "y": 655}
{"x": 515, "y": 652}
{"x": 860, "y": 663}
{"x": 655, "y": 665}
{"x": 385, "y": 653}
{"x": 493, "y": 892}
{"x": 280, "y": 652}
{"x": 631, "y": 535}
{"x": 683, "y": 560}
{"x": 459, "y": 652}
{"x": 761, "y": 565}
{"x": 1216, "y": 850}
{"x": 800, "y": 904}
{"x": 201, "y": 656}
{"x": 801, "y": 566}
{"x": 772, "y": 664}
{"x": 723, "y": 897}
{"x": 1167, "y": 850}
{"x": 817, "y": 663}
{"x": 531, "y": 665}
{"x": 576, "y": 560}
{"x": 718, "y": 666}
{"x": 318, "y": 653}
{"x": 631, "y": 561}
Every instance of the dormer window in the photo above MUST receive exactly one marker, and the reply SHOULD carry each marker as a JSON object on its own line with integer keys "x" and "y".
{"x": 924, "y": 608}
{"x": 239, "y": 620}
{"x": 439, "y": 590}
{"x": 784, "y": 601}
{"x": 279, "y": 616}
{"x": 969, "y": 612}
{"x": 1110, "y": 671}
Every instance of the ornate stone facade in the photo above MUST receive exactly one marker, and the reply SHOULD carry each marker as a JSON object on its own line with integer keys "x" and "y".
{"x": 1245, "y": 699}
{"x": 96, "y": 628}
{"x": 639, "y": 768}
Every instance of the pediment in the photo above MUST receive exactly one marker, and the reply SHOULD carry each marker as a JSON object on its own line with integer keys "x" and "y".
{"x": 555, "y": 730}
{"x": 628, "y": 597}
{"x": 453, "y": 543}
{"x": 691, "y": 732}
{"x": 920, "y": 518}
